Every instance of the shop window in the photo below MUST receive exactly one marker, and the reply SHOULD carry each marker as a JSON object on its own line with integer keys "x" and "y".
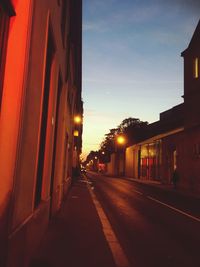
{"x": 6, "y": 11}
{"x": 196, "y": 68}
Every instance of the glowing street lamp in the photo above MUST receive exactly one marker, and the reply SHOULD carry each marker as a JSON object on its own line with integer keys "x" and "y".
{"x": 119, "y": 158}
{"x": 121, "y": 140}
{"x": 77, "y": 119}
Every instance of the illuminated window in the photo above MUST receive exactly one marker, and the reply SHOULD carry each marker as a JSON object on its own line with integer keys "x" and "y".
{"x": 6, "y": 11}
{"x": 196, "y": 67}
{"x": 76, "y": 133}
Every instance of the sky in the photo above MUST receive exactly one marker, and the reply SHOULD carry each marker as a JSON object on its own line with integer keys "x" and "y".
{"x": 132, "y": 64}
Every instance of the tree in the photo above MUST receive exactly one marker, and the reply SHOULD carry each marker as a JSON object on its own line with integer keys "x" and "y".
{"x": 133, "y": 129}
{"x": 107, "y": 144}
{"x": 92, "y": 155}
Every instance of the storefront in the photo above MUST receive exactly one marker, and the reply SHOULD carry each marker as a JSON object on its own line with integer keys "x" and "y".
{"x": 150, "y": 160}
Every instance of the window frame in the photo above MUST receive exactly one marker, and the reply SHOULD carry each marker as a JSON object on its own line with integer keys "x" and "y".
{"x": 6, "y": 12}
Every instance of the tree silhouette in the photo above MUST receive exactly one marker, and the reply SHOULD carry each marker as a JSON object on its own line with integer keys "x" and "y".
{"x": 132, "y": 128}
{"x": 92, "y": 155}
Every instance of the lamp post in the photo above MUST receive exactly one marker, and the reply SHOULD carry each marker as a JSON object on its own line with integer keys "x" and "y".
{"x": 120, "y": 155}
{"x": 77, "y": 121}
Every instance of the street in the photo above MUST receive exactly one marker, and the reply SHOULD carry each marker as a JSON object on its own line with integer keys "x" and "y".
{"x": 155, "y": 227}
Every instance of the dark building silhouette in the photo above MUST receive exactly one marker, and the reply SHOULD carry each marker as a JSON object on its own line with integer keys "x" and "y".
{"x": 191, "y": 147}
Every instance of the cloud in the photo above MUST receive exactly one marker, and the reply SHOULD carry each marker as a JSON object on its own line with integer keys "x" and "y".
{"x": 190, "y": 5}
{"x": 117, "y": 12}
{"x": 95, "y": 26}
{"x": 128, "y": 81}
{"x": 106, "y": 15}
{"x": 90, "y": 26}
{"x": 97, "y": 115}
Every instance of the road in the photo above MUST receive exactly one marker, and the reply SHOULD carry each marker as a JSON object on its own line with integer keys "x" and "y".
{"x": 155, "y": 227}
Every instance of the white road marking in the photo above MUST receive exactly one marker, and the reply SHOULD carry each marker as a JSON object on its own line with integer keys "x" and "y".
{"x": 116, "y": 249}
{"x": 177, "y": 210}
{"x": 138, "y": 192}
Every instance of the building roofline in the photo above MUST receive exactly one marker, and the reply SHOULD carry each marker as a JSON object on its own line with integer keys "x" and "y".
{"x": 159, "y": 136}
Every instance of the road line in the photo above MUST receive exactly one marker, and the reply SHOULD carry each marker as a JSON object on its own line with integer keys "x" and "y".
{"x": 116, "y": 249}
{"x": 138, "y": 192}
{"x": 177, "y": 210}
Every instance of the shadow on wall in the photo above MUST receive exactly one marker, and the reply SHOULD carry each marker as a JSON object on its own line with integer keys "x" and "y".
{"x": 5, "y": 207}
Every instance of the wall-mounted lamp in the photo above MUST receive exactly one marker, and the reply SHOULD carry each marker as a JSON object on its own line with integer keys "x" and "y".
{"x": 77, "y": 119}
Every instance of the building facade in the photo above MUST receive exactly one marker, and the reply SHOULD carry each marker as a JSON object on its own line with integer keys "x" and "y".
{"x": 155, "y": 158}
{"x": 191, "y": 156}
{"x": 40, "y": 92}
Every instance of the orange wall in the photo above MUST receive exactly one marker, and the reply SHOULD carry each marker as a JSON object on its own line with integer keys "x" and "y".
{"x": 12, "y": 94}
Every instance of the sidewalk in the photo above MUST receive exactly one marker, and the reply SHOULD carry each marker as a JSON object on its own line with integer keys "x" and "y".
{"x": 74, "y": 237}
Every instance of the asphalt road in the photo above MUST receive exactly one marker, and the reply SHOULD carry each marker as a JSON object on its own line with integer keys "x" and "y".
{"x": 155, "y": 227}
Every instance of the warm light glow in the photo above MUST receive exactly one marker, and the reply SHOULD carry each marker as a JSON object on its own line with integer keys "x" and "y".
{"x": 76, "y": 133}
{"x": 196, "y": 68}
{"x": 121, "y": 140}
{"x": 14, "y": 85}
{"x": 77, "y": 119}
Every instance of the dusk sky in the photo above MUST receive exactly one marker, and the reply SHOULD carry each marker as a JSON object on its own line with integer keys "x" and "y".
{"x": 132, "y": 64}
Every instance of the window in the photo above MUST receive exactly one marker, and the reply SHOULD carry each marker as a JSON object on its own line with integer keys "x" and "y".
{"x": 4, "y": 24}
{"x": 6, "y": 11}
{"x": 196, "y": 68}
{"x": 44, "y": 119}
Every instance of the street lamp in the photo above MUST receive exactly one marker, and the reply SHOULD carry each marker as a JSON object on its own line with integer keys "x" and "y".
{"x": 120, "y": 154}
{"x": 77, "y": 119}
{"x": 121, "y": 140}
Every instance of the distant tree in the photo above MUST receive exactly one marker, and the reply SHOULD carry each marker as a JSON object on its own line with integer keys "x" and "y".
{"x": 108, "y": 144}
{"x": 92, "y": 155}
{"x": 132, "y": 128}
